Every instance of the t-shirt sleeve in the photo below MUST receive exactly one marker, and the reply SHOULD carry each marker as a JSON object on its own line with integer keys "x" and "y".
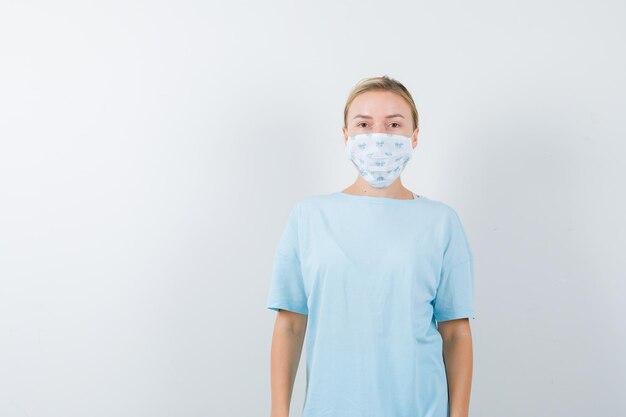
{"x": 287, "y": 285}
{"x": 455, "y": 293}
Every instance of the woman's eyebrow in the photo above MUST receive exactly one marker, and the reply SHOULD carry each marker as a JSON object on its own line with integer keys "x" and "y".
{"x": 363, "y": 116}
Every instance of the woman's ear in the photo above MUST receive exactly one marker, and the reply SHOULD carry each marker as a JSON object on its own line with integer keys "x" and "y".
{"x": 345, "y": 134}
{"x": 414, "y": 137}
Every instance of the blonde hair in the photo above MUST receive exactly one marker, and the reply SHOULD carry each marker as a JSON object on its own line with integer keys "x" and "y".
{"x": 381, "y": 83}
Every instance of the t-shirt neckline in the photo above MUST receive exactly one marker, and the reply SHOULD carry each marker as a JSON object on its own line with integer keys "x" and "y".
{"x": 379, "y": 199}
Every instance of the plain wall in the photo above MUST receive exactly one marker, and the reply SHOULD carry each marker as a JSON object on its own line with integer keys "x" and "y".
{"x": 150, "y": 153}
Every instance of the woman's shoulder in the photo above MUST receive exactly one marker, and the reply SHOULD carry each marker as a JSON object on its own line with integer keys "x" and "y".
{"x": 313, "y": 200}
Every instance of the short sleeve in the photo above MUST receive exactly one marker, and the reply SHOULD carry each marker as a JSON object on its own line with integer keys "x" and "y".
{"x": 287, "y": 285}
{"x": 454, "y": 298}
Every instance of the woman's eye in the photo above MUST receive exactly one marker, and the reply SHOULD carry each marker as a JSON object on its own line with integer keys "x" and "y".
{"x": 361, "y": 123}
{"x": 395, "y": 123}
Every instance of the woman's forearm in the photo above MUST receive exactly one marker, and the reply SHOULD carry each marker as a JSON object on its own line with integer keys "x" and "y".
{"x": 457, "y": 352}
{"x": 285, "y": 357}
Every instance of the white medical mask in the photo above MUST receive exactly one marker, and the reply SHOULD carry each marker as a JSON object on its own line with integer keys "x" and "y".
{"x": 380, "y": 158}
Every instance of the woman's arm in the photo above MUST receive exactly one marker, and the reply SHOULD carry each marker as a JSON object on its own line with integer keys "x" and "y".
{"x": 457, "y": 353}
{"x": 287, "y": 341}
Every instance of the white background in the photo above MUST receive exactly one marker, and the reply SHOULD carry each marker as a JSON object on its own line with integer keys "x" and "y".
{"x": 150, "y": 153}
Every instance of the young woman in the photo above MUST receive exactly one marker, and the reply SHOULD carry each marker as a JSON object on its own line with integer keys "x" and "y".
{"x": 380, "y": 279}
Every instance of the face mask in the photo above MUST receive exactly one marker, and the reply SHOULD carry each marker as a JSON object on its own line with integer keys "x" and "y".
{"x": 380, "y": 158}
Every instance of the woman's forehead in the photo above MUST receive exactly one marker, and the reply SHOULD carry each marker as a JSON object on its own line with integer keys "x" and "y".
{"x": 379, "y": 103}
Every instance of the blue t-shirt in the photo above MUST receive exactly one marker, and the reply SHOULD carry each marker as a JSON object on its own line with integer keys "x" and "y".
{"x": 374, "y": 275}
